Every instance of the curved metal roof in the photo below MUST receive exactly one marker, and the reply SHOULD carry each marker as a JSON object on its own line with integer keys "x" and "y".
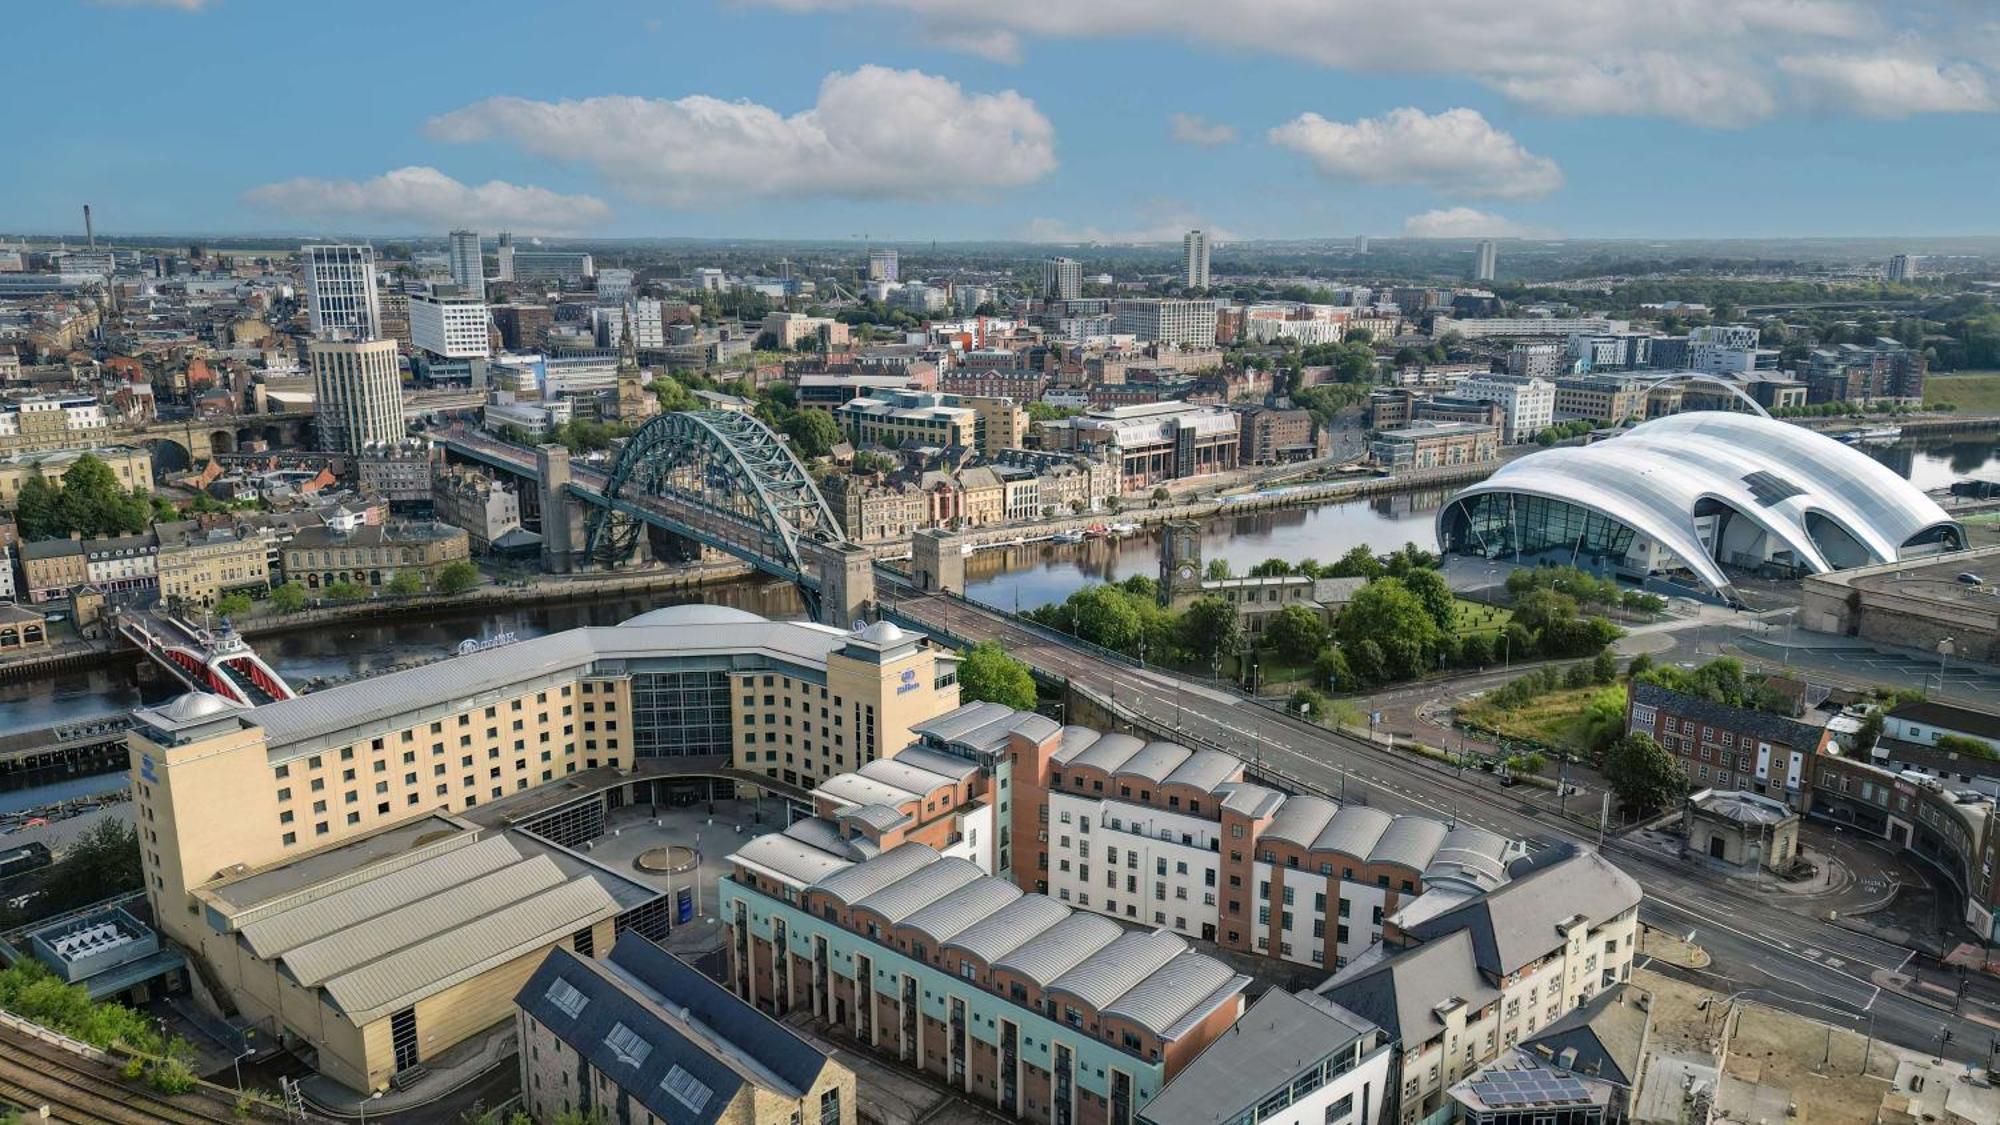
{"x": 1300, "y": 819}
{"x": 1205, "y": 770}
{"x": 1354, "y": 831}
{"x": 1165, "y": 995}
{"x": 1119, "y": 967}
{"x": 921, "y": 888}
{"x": 963, "y": 908}
{"x": 1155, "y": 761}
{"x": 1410, "y": 841}
{"x": 1772, "y": 473}
{"x": 1007, "y": 930}
{"x": 1109, "y": 752}
{"x": 1059, "y": 948}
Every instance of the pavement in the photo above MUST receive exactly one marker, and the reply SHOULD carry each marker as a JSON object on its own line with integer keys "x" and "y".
{"x": 1799, "y": 960}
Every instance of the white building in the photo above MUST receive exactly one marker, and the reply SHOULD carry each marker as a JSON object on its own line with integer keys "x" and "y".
{"x": 1194, "y": 259}
{"x": 1062, "y": 279}
{"x": 708, "y": 279}
{"x": 1294, "y": 1058}
{"x": 607, "y": 325}
{"x": 87, "y": 265}
{"x": 614, "y": 286}
{"x": 1506, "y": 326}
{"x": 1168, "y": 320}
{"x": 1903, "y": 267}
{"x": 340, "y": 292}
{"x": 883, "y": 266}
{"x": 552, "y": 265}
{"x": 505, "y": 252}
{"x": 468, "y": 265}
{"x": 1489, "y": 260}
{"x": 358, "y": 392}
{"x": 1725, "y": 349}
{"x": 533, "y": 419}
{"x": 917, "y": 298}
{"x": 450, "y": 327}
{"x": 649, "y": 322}
{"x": 1530, "y": 402}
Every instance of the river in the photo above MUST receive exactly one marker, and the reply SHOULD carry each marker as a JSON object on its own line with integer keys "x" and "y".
{"x": 1011, "y": 577}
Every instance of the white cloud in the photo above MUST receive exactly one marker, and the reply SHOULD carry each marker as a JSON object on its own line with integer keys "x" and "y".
{"x": 991, "y": 44}
{"x": 1890, "y": 87}
{"x": 1192, "y": 129}
{"x": 1711, "y": 62}
{"x": 426, "y": 197}
{"x": 1456, "y": 152}
{"x": 873, "y": 133}
{"x": 1464, "y": 222}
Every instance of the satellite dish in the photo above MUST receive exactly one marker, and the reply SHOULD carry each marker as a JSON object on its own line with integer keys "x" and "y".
{"x": 859, "y": 624}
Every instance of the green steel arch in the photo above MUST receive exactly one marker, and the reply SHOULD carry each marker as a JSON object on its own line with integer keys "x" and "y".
{"x": 739, "y": 483}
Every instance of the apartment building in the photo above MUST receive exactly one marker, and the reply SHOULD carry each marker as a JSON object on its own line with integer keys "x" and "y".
{"x": 51, "y": 568}
{"x": 1530, "y": 402}
{"x": 476, "y": 503}
{"x": 1727, "y": 747}
{"x": 1271, "y": 436}
{"x": 1167, "y": 320}
{"x": 791, "y": 329}
{"x": 1951, "y": 827}
{"x": 1295, "y": 1058}
{"x": 341, "y": 301}
{"x": 358, "y": 393}
{"x": 1434, "y": 445}
{"x": 53, "y": 422}
{"x": 1599, "y": 398}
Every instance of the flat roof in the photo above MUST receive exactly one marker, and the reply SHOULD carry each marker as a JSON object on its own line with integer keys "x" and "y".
{"x": 1278, "y": 1037}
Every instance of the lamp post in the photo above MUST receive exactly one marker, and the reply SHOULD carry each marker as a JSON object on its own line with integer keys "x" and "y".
{"x": 1944, "y": 649}
{"x": 375, "y": 1095}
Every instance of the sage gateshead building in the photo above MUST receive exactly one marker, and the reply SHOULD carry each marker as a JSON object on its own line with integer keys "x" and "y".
{"x": 1681, "y": 502}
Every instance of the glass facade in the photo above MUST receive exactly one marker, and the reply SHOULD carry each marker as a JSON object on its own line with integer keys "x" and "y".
{"x": 680, "y": 714}
{"x": 1496, "y": 524}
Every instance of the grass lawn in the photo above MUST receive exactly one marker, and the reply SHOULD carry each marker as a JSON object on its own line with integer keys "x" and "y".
{"x": 1478, "y": 617}
{"x": 1971, "y": 391}
{"x": 1555, "y": 719}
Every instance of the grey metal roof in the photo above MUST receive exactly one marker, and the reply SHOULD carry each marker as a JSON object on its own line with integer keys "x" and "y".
{"x": 881, "y": 818}
{"x": 1300, "y": 819}
{"x": 342, "y": 909}
{"x": 1248, "y": 798}
{"x": 907, "y": 776}
{"x": 1160, "y": 998}
{"x": 855, "y": 883}
{"x": 1608, "y": 1033}
{"x": 1473, "y": 855}
{"x": 1410, "y": 841}
{"x": 946, "y": 766}
{"x": 920, "y": 888}
{"x": 379, "y": 987}
{"x": 967, "y": 906}
{"x": 791, "y": 859}
{"x": 1401, "y": 993}
{"x": 381, "y": 698}
{"x": 1156, "y": 760}
{"x": 1109, "y": 973}
{"x": 1075, "y": 740}
{"x": 1281, "y": 1035}
{"x": 1000, "y": 933}
{"x": 855, "y": 789}
{"x": 1057, "y": 949}
{"x": 1354, "y": 830}
{"x": 986, "y": 727}
{"x": 1515, "y": 924}
{"x": 1109, "y": 752}
{"x": 1205, "y": 770}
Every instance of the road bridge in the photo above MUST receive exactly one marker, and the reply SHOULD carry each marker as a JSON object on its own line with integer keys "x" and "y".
{"x": 1803, "y": 961}
{"x": 217, "y": 660}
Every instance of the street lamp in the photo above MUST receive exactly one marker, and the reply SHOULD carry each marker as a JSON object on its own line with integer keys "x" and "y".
{"x": 236, "y": 1064}
{"x": 374, "y": 1096}
{"x": 1944, "y": 649}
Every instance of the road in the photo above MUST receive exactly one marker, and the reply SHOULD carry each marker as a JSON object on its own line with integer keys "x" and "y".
{"x": 1803, "y": 963}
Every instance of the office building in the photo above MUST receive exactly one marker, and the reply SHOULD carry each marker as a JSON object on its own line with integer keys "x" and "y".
{"x": 358, "y": 392}
{"x": 552, "y": 265}
{"x": 883, "y": 266}
{"x": 1194, "y": 259}
{"x": 1600, "y": 398}
{"x": 614, "y": 286}
{"x": 1487, "y": 264}
{"x": 452, "y": 326}
{"x": 1729, "y": 349}
{"x": 1148, "y": 443}
{"x": 1480, "y": 328}
{"x": 1062, "y": 279}
{"x": 340, "y": 292}
{"x": 1530, "y": 403}
{"x": 1434, "y": 445}
{"x": 468, "y": 265}
{"x": 1178, "y": 321}
{"x": 642, "y": 1036}
{"x": 505, "y": 252}
{"x": 910, "y": 420}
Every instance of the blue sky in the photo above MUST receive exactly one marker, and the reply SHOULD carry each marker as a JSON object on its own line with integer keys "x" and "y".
{"x": 1048, "y": 119}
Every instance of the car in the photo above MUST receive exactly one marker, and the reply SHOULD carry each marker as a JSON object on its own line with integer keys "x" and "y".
{"x": 1971, "y": 579}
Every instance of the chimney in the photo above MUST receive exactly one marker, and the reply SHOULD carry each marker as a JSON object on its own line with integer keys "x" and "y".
{"x": 88, "y": 232}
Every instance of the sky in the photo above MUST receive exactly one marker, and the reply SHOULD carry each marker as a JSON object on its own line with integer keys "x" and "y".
{"x": 1042, "y": 120}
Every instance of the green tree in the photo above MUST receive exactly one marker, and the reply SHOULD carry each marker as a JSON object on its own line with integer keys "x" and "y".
{"x": 1296, "y": 632}
{"x": 38, "y": 510}
{"x": 988, "y": 674}
{"x": 1217, "y": 570}
{"x": 457, "y": 576}
{"x": 1104, "y": 615}
{"x": 1388, "y": 614}
{"x": 407, "y": 582}
{"x": 1430, "y": 588}
{"x": 1967, "y": 746}
{"x": 1870, "y": 732}
{"x": 1475, "y": 650}
{"x": 814, "y": 433}
{"x": 1604, "y": 668}
{"x": 673, "y": 395}
{"x": 1368, "y": 663}
{"x": 233, "y": 605}
{"x": 345, "y": 591}
{"x": 289, "y": 597}
{"x": 103, "y": 861}
{"x": 1358, "y": 562}
{"x": 1643, "y": 774}
{"x": 1330, "y": 669}
{"x": 1210, "y": 629}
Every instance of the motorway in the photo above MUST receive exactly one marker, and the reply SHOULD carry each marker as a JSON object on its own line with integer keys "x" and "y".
{"x": 1792, "y": 960}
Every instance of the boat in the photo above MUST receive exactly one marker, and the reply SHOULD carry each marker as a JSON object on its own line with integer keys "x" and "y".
{"x": 967, "y": 548}
{"x": 1873, "y": 435}
{"x": 1066, "y": 537}
{"x": 1097, "y": 531}
{"x": 1123, "y": 529}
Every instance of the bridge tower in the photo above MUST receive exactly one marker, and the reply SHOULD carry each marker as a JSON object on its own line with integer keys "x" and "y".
{"x": 562, "y": 523}
{"x": 846, "y": 575}
{"x": 937, "y": 561}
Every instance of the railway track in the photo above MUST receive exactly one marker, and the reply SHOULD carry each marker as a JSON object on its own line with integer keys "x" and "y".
{"x": 74, "y": 1092}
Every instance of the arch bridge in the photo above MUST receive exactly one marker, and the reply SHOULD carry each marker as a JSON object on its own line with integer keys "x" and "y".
{"x": 717, "y": 477}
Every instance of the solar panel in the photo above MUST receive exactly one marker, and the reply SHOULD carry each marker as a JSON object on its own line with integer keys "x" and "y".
{"x": 1530, "y": 1087}
{"x": 1769, "y": 488}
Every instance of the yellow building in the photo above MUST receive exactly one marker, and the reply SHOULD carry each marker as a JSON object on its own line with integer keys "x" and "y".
{"x": 132, "y": 467}
{"x": 197, "y": 567}
{"x": 368, "y": 892}
{"x": 1002, "y": 422}
{"x": 910, "y": 420}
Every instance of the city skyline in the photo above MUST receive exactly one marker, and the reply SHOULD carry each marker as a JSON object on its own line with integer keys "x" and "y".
{"x": 1032, "y": 124}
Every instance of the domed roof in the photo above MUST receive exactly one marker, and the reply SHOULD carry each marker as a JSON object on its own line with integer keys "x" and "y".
{"x": 695, "y": 613}
{"x": 880, "y": 633}
{"x": 196, "y": 705}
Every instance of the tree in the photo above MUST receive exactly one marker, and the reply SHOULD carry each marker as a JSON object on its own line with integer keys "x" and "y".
{"x": 344, "y": 591}
{"x": 1870, "y": 732}
{"x": 1639, "y": 666}
{"x": 814, "y": 433}
{"x": 103, "y": 861}
{"x": 1217, "y": 570}
{"x": 673, "y": 395}
{"x": 1604, "y": 667}
{"x": 1475, "y": 650}
{"x": 456, "y": 577}
{"x": 1105, "y": 616}
{"x": 1387, "y": 613}
{"x": 1330, "y": 668}
{"x": 289, "y": 597}
{"x": 1369, "y": 665}
{"x": 37, "y": 510}
{"x": 988, "y": 674}
{"x": 1296, "y": 632}
{"x": 233, "y": 605}
{"x": 1358, "y": 562}
{"x": 407, "y": 582}
{"x": 1643, "y": 774}
{"x": 1210, "y": 629}
{"x": 1430, "y": 588}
